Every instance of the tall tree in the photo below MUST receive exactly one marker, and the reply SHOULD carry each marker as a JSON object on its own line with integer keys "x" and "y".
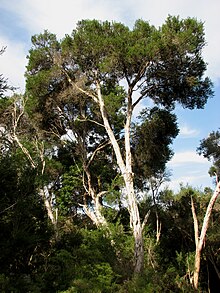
{"x": 164, "y": 65}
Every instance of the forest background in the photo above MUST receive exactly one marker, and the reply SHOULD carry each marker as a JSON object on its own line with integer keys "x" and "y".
{"x": 64, "y": 202}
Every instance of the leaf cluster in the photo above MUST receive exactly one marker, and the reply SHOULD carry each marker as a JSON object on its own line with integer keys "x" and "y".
{"x": 151, "y": 141}
{"x": 210, "y": 149}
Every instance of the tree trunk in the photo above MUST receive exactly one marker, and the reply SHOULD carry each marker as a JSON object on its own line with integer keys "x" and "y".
{"x": 48, "y": 206}
{"x": 199, "y": 241}
{"x": 197, "y": 268}
{"x": 95, "y": 216}
{"x": 135, "y": 224}
{"x": 128, "y": 176}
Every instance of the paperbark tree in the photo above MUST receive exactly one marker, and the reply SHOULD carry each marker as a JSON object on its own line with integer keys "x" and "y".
{"x": 164, "y": 65}
{"x": 19, "y": 130}
{"x": 210, "y": 149}
{"x": 200, "y": 238}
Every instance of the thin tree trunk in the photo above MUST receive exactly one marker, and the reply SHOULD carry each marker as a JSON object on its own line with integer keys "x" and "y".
{"x": 48, "y": 206}
{"x": 200, "y": 240}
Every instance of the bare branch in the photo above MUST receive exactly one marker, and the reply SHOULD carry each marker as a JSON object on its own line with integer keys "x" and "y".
{"x": 208, "y": 214}
{"x": 8, "y": 208}
{"x": 145, "y": 220}
{"x": 15, "y": 120}
{"x": 90, "y": 120}
{"x": 102, "y": 146}
{"x": 74, "y": 85}
{"x": 195, "y": 221}
{"x": 100, "y": 194}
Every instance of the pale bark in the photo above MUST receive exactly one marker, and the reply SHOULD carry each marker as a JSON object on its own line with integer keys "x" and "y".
{"x": 128, "y": 176}
{"x": 16, "y": 117}
{"x": 43, "y": 193}
{"x": 125, "y": 166}
{"x": 94, "y": 214}
{"x": 200, "y": 240}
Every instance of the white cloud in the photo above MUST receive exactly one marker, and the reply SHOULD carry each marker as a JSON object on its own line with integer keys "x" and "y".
{"x": 199, "y": 181}
{"x": 189, "y": 168}
{"x": 60, "y": 17}
{"x": 187, "y": 132}
{"x": 187, "y": 157}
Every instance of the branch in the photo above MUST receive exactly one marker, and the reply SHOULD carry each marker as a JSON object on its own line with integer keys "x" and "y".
{"x": 195, "y": 221}
{"x": 139, "y": 74}
{"x": 109, "y": 130}
{"x": 11, "y": 206}
{"x": 215, "y": 266}
{"x": 41, "y": 153}
{"x": 137, "y": 101}
{"x": 100, "y": 194}
{"x": 25, "y": 151}
{"x": 74, "y": 84}
{"x": 145, "y": 220}
{"x": 15, "y": 121}
{"x": 208, "y": 214}
{"x": 96, "y": 150}
{"x": 90, "y": 120}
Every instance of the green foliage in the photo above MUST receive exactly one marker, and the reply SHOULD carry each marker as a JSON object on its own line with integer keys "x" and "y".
{"x": 180, "y": 41}
{"x": 210, "y": 149}
{"x": 59, "y": 271}
{"x": 69, "y": 193}
{"x": 154, "y": 135}
{"x": 25, "y": 232}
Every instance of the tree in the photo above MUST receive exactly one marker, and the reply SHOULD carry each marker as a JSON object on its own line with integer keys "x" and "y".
{"x": 164, "y": 65}
{"x": 19, "y": 129}
{"x": 57, "y": 110}
{"x": 210, "y": 149}
{"x": 200, "y": 237}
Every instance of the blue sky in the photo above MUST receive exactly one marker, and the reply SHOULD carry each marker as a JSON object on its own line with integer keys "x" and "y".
{"x": 20, "y": 19}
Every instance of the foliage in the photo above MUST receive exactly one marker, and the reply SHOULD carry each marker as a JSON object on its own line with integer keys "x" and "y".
{"x": 154, "y": 134}
{"x": 210, "y": 149}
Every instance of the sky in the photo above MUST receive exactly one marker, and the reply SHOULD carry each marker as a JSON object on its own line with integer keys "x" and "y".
{"x": 21, "y": 19}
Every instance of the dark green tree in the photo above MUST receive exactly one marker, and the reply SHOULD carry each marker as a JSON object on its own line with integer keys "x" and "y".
{"x": 164, "y": 65}
{"x": 210, "y": 149}
{"x": 151, "y": 142}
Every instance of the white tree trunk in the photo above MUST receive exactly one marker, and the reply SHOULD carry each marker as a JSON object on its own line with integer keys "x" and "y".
{"x": 135, "y": 224}
{"x": 43, "y": 193}
{"x": 128, "y": 176}
{"x": 199, "y": 241}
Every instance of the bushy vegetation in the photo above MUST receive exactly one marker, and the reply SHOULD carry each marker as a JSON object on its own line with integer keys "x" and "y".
{"x": 82, "y": 258}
